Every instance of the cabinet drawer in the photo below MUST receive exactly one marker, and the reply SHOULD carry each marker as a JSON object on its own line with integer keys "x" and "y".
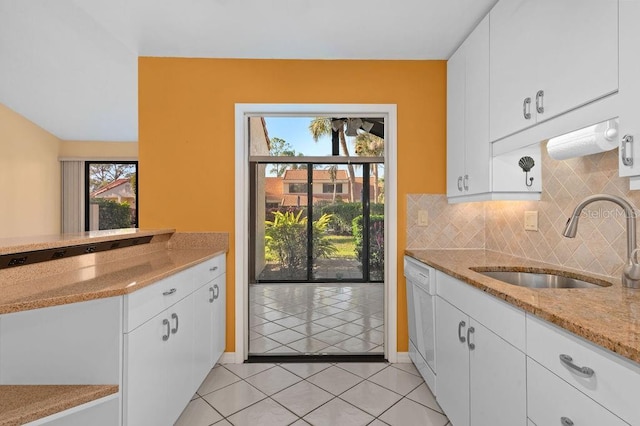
{"x": 615, "y": 380}
{"x": 498, "y": 316}
{"x": 209, "y": 270}
{"x": 550, "y": 398}
{"x": 149, "y": 301}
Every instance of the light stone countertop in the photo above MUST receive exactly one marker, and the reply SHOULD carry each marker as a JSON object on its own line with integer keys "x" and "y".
{"x": 607, "y": 316}
{"x": 106, "y": 274}
{"x": 20, "y": 404}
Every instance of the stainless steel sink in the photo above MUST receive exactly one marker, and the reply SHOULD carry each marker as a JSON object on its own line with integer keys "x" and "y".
{"x": 542, "y": 280}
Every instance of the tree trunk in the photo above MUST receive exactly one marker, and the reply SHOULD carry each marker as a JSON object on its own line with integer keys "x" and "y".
{"x": 375, "y": 182}
{"x": 352, "y": 173}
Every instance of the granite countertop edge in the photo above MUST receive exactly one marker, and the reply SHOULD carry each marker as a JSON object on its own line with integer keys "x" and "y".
{"x": 26, "y": 403}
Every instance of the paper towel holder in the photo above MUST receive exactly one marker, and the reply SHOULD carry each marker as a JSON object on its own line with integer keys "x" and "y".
{"x": 526, "y": 163}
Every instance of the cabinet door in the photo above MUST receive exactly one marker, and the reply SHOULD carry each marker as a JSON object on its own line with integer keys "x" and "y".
{"x": 203, "y": 336}
{"x": 477, "y": 147}
{"x": 630, "y": 83}
{"x": 497, "y": 380}
{"x": 455, "y": 122}
{"x": 452, "y": 385}
{"x": 180, "y": 374}
{"x": 576, "y": 55}
{"x": 146, "y": 367}
{"x": 512, "y": 79}
{"x": 219, "y": 318}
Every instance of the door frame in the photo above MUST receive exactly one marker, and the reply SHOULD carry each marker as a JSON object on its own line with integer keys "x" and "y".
{"x": 242, "y": 112}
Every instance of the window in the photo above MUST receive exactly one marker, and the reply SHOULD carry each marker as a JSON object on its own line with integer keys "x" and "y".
{"x": 111, "y": 195}
{"x": 298, "y": 188}
{"x": 327, "y": 188}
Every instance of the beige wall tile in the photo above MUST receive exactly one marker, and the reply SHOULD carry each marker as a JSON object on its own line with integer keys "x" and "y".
{"x": 600, "y": 246}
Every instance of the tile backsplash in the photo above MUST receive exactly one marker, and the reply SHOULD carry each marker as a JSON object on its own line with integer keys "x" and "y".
{"x": 600, "y": 245}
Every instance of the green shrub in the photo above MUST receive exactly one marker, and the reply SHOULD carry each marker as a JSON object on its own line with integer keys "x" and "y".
{"x": 376, "y": 244}
{"x": 286, "y": 240}
{"x": 113, "y": 215}
{"x": 344, "y": 213}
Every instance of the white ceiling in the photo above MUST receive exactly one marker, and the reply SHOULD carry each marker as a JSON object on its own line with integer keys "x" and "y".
{"x": 71, "y": 65}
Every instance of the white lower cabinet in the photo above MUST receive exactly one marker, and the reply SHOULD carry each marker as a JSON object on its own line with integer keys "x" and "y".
{"x": 497, "y": 380}
{"x": 219, "y": 318}
{"x": 452, "y": 354}
{"x": 146, "y": 383}
{"x": 167, "y": 357}
{"x": 481, "y": 379}
{"x": 500, "y": 366}
{"x": 209, "y": 308}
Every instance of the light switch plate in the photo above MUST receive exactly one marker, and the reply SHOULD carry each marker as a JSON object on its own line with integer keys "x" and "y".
{"x": 423, "y": 218}
{"x": 531, "y": 220}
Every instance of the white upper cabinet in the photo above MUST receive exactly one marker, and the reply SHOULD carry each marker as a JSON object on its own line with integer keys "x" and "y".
{"x": 630, "y": 90}
{"x": 468, "y": 148}
{"x": 549, "y": 57}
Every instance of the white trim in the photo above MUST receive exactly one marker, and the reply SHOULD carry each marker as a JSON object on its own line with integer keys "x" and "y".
{"x": 389, "y": 112}
{"x": 228, "y": 358}
{"x": 403, "y": 358}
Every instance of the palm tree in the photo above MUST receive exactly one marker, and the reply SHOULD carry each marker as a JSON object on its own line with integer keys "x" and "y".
{"x": 321, "y": 126}
{"x": 333, "y": 174}
{"x": 369, "y": 145}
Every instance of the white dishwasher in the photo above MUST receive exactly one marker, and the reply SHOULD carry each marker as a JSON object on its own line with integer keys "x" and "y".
{"x": 421, "y": 296}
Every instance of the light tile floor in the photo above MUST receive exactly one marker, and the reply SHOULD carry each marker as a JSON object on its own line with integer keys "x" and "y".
{"x": 319, "y": 394}
{"x": 316, "y": 318}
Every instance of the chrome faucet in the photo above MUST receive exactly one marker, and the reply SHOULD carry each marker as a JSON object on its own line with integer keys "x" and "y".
{"x": 631, "y": 271}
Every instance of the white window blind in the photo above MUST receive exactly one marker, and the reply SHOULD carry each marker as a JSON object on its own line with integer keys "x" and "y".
{"x": 72, "y": 196}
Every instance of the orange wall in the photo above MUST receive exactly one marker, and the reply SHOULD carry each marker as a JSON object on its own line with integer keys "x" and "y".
{"x": 186, "y": 136}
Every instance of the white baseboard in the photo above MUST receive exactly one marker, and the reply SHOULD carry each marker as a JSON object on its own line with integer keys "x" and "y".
{"x": 228, "y": 358}
{"x": 403, "y": 358}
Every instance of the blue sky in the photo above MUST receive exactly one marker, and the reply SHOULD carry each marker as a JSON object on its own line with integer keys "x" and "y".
{"x": 295, "y": 130}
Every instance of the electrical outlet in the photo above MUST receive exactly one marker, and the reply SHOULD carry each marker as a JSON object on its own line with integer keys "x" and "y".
{"x": 423, "y": 218}
{"x": 531, "y": 220}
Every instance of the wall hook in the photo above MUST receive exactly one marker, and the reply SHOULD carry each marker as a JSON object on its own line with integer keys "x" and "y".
{"x": 527, "y": 163}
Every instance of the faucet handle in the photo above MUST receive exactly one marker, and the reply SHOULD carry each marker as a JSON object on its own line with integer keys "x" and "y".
{"x": 632, "y": 268}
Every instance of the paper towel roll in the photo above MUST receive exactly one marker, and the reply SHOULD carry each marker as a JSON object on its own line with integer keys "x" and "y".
{"x": 590, "y": 140}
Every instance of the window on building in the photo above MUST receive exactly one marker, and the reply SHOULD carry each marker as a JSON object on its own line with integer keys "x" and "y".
{"x": 327, "y": 188}
{"x": 298, "y": 188}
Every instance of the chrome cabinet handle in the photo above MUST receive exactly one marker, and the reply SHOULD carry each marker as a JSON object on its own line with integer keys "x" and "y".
{"x": 539, "y": 101}
{"x": 470, "y": 331}
{"x": 465, "y": 182}
{"x": 167, "y": 293}
{"x": 165, "y": 337}
{"x": 217, "y": 292}
{"x": 583, "y": 371}
{"x": 526, "y": 108}
{"x": 213, "y": 269}
{"x": 627, "y": 144}
{"x": 213, "y": 295}
{"x": 175, "y": 329}
{"x": 460, "y": 336}
{"x": 460, "y": 183}
{"x": 566, "y": 421}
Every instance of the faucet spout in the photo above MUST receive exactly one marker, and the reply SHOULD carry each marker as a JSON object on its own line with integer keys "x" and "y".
{"x": 571, "y": 228}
